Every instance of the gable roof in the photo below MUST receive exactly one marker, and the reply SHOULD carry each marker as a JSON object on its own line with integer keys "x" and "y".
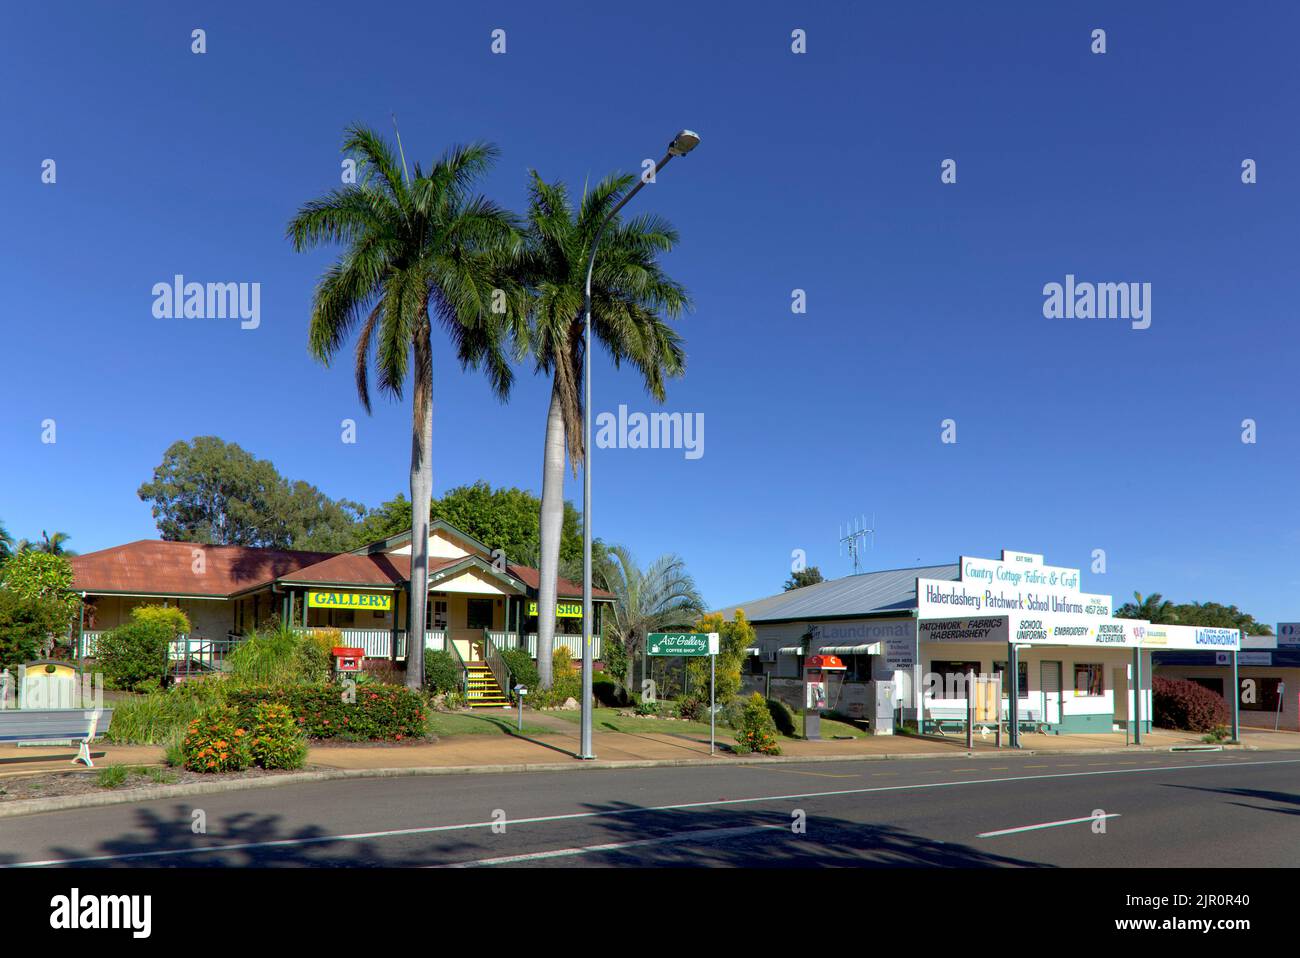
{"x": 401, "y": 538}
{"x": 155, "y": 567}
{"x": 870, "y": 593}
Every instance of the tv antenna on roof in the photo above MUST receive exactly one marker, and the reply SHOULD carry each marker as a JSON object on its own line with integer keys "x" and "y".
{"x": 853, "y": 535}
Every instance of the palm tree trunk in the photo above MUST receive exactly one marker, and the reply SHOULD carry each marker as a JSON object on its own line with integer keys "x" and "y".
{"x": 552, "y": 521}
{"x": 421, "y": 493}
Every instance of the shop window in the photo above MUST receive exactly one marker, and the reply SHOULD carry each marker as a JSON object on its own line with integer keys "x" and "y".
{"x": 1266, "y": 694}
{"x": 478, "y": 614}
{"x": 857, "y": 668}
{"x": 753, "y": 665}
{"x": 1215, "y": 685}
{"x": 952, "y": 678}
{"x": 1087, "y": 679}
{"x": 1000, "y": 668}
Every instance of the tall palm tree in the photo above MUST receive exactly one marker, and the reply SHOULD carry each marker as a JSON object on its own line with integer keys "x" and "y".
{"x": 415, "y": 249}
{"x": 6, "y": 543}
{"x": 53, "y": 544}
{"x": 647, "y": 600}
{"x": 1155, "y": 608}
{"x": 629, "y": 291}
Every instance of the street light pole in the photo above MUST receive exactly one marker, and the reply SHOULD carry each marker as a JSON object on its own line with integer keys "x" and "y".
{"x": 682, "y": 143}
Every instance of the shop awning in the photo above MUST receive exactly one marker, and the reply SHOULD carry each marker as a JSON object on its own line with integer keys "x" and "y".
{"x": 753, "y": 650}
{"x": 790, "y": 650}
{"x": 873, "y": 648}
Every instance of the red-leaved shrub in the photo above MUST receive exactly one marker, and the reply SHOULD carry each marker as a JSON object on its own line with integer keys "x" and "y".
{"x": 1182, "y": 704}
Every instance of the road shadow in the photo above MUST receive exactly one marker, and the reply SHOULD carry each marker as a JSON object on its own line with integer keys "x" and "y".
{"x": 676, "y": 838}
{"x": 1267, "y": 795}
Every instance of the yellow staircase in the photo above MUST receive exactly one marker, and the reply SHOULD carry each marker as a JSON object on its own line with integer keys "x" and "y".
{"x": 484, "y": 692}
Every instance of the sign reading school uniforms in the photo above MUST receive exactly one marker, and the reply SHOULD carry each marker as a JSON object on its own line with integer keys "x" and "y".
{"x": 353, "y": 601}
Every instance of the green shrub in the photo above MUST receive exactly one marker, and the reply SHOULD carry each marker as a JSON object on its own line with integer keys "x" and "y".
{"x": 167, "y": 617}
{"x": 523, "y": 670}
{"x": 25, "y": 624}
{"x": 159, "y": 717}
{"x": 566, "y": 682}
{"x": 441, "y": 673}
{"x": 782, "y": 716}
{"x": 279, "y": 656}
{"x": 379, "y": 712}
{"x": 276, "y": 740}
{"x": 216, "y": 741}
{"x": 645, "y": 707}
{"x": 607, "y": 690}
{"x": 692, "y": 708}
{"x": 133, "y": 657}
{"x": 755, "y": 730}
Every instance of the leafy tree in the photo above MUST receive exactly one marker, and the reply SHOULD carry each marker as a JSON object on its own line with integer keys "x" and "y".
{"x": 809, "y": 576}
{"x": 53, "y": 544}
{"x": 735, "y": 639}
{"x": 415, "y": 250}
{"x": 645, "y": 601}
{"x": 211, "y": 491}
{"x": 26, "y": 625}
{"x": 629, "y": 291}
{"x": 47, "y": 578}
{"x": 1159, "y": 611}
{"x": 6, "y": 543}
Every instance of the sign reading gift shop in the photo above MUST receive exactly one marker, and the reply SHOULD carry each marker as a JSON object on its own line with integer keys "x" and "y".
{"x": 1018, "y": 583}
{"x": 371, "y": 601}
{"x": 563, "y": 610}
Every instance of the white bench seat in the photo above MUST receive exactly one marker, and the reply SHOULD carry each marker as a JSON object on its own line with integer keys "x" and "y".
{"x": 36, "y": 725}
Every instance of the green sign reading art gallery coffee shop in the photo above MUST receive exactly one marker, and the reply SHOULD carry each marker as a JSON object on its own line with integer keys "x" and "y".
{"x": 375, "y": 602}
{"x": 677, "y": 643}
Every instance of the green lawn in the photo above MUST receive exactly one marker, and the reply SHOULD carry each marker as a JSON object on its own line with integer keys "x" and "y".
{"x": 832, "y": 728}
{"x": 608, "y": 720}
{"x": 445, "y": 724}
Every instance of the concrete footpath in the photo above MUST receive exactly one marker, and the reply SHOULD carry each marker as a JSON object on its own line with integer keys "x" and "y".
{"x": 558, "y": 746}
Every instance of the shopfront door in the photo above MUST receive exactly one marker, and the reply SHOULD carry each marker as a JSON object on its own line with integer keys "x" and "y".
{"x": 1050, "y": 674}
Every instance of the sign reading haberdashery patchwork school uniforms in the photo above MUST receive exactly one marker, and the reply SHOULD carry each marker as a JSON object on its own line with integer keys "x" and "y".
{"x": 1017, "y": 584}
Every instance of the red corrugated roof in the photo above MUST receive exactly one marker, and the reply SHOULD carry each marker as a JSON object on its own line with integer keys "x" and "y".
{"x": 153, "y": 567}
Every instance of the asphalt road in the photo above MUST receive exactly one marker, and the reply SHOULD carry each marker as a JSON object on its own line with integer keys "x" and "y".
{"x": 1156, "y": 809}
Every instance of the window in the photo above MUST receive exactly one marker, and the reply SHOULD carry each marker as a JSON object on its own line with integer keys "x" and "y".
{"x": 753, "y": 665}
{"x": 437, "y": 614}
{"x": 1214, "y": 685}
{"x": 1021, "y": 667}
{"x": 478, "y": 614}
{"x": 952, "y": 678}
{"x": 1265, "y": 695}
{"x": 1087, "y": 679}
{"x": 858, "y": 668}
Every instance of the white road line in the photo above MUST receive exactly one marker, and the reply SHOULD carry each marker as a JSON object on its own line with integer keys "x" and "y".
{"x": 704, "y": 835}
{"x": 1034, "y": 828}
{"x": 572, "y": 816}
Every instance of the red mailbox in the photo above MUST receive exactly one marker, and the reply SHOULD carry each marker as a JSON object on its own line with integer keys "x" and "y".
{"x": 347, "y": 658}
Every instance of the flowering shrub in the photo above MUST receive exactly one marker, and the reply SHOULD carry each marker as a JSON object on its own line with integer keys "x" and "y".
{"x": 378, "y": 712}
{"x": 755, "y": 731}
{"x": 216, "y": 742}
{"x": 1183, "y": 704}
{"x": 276, "y": 741}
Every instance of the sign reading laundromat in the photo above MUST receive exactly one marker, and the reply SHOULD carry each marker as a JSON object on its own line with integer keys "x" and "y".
{"x": 375, "y": 602}
{"x": 563, "y": 610}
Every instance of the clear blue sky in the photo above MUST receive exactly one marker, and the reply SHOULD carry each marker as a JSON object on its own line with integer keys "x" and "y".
{"x": 817, "y": 171}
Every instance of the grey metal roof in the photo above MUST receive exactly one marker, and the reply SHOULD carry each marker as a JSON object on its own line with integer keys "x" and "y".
{"x": 869, "y": 593}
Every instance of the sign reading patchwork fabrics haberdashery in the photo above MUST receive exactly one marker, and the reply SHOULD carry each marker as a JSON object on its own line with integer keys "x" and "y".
{"x": 993, "y": 629}
{"x": 563, "y": 610}
{"x": 371, "y": 601}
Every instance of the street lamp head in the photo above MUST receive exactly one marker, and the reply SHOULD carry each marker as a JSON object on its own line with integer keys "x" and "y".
{"x": 684, "y": 142}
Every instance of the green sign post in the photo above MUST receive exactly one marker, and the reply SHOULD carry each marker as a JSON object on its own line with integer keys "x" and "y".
{"x": 691, "y": 644}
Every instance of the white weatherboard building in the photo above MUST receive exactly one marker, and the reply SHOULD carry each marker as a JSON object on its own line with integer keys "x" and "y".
{"x": 1077, "y": 668}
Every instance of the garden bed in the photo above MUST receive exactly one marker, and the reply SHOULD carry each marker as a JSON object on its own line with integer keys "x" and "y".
{"x": 58, "y": 784}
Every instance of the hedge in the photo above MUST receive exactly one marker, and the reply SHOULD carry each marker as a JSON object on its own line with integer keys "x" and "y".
{"x": 379, "y": 711}
{"x": 1182, "y": 704}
